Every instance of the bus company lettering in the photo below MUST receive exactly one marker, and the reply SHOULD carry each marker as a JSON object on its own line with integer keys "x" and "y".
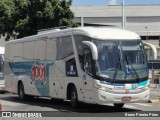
{"x": 39, "y": 72}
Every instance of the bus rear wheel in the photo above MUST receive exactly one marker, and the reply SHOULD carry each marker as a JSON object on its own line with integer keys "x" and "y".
{"x": 21, "y": 91}
{"x": 74, "y": 97}
{"x": 118, "y": 105}
{"x": 2, "y": 92}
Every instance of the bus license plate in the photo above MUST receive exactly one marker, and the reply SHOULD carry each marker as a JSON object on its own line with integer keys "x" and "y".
{"x": 126, "y": 98}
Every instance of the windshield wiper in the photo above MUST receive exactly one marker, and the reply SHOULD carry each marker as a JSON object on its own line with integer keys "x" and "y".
{"x": 118, "y": 63}
{"x": 116, "y": 71}
{"x": 135, "y": 72}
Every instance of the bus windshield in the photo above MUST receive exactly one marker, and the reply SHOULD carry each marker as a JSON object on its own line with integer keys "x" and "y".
{"x": 121, "y": 60}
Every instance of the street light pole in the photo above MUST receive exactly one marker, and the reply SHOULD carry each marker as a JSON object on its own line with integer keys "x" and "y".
{"x": 123, "y": 18}
{"x": 147, "y": 32}
{"x": 82, "y": 21}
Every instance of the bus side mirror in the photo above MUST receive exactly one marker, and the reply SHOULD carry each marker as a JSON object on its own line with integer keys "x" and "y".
{"x": 154, "y": 50}
{"x": 93, "y": 48}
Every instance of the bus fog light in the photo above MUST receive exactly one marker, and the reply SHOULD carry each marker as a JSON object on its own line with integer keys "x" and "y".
{"x": 103, "y": 97}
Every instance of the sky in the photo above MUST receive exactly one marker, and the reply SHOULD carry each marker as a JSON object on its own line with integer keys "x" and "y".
{"x": 113, "y": 2}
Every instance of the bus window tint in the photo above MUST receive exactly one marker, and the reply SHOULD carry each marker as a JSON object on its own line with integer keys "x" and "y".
{"x": 65, "y": 47}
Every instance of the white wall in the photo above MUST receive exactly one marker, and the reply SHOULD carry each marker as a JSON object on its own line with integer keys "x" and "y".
{"x": 2, "y": 41}
{"x": 138, "y": 17}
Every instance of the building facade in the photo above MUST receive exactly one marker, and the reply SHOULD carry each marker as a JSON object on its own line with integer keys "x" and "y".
{"x": 142, "y": 19}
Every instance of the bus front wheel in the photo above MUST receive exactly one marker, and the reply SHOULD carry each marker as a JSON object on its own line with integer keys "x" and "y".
{"x": 74, "y": 97}
{"x": 118, "y": 105}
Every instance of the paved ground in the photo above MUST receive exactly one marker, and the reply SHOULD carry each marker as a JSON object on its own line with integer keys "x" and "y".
{"x": 11, "y": 102}
{"x": 154, "y": 93}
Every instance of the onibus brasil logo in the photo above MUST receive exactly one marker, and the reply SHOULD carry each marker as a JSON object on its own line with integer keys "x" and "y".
{"x": 39, "y": 72}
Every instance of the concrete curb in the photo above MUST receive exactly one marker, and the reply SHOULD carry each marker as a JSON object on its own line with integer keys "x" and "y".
{"x": 154, "y": 101}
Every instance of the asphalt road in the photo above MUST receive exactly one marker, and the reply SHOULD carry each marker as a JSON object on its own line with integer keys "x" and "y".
{"x": 62, "y": 109}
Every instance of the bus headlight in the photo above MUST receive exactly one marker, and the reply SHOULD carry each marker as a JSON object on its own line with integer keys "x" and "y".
{"x": 145, "y": 88}
{"x": 101, "y": 87}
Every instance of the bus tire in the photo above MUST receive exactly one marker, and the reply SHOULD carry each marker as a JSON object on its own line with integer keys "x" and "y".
{"x": 118, "y": 105}
{"x": 29, "y": 97}
{"x": 2, "y": 92}
{"x": 74, "y": 97}
{"x": 21, "y": 93}
{"x": 56, "y": 100}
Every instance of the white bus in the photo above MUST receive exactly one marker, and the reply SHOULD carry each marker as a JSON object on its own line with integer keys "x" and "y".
{"x": 86, "y": 64}
{"x": 2, "y": 82}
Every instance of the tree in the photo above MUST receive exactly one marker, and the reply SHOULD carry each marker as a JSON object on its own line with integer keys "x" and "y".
{"x": 26, "y": 17}
{"x": 7, "y": 9}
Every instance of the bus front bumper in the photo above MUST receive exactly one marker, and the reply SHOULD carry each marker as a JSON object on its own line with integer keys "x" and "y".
{"x": 106, "y": 97}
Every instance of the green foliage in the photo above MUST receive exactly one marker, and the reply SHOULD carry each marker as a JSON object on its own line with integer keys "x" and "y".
{"x": 26, "y": 17}
{"x": 7, "y": 10}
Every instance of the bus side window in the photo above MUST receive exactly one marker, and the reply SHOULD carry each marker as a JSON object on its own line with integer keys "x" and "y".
{"x": 71, "y": 68}
{"x": 88, "y": 62}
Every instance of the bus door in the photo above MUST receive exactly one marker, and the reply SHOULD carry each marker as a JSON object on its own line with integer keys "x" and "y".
{"x": 88, "y": 76}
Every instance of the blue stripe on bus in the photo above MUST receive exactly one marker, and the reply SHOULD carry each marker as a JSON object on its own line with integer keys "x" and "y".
{"x": 144, "y": 83}
{"x": 26, "y": 68}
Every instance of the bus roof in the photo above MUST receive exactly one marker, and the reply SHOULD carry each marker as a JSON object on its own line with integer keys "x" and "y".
{"x": 94, "y": 32}
{"x": 107, "y": 33}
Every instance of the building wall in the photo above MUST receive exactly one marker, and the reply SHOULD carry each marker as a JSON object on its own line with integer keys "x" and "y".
{"x": 143, "y": 19}
{"x": 2, "y": 41}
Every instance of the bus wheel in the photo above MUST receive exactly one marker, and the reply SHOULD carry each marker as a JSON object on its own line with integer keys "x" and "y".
{"x": 74, "y": 97}
{"x": 21, "y": 91}
{"x": 55, "y": 100}
{"x": 2, "y": 92}
{"x": 118, "y": 105}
